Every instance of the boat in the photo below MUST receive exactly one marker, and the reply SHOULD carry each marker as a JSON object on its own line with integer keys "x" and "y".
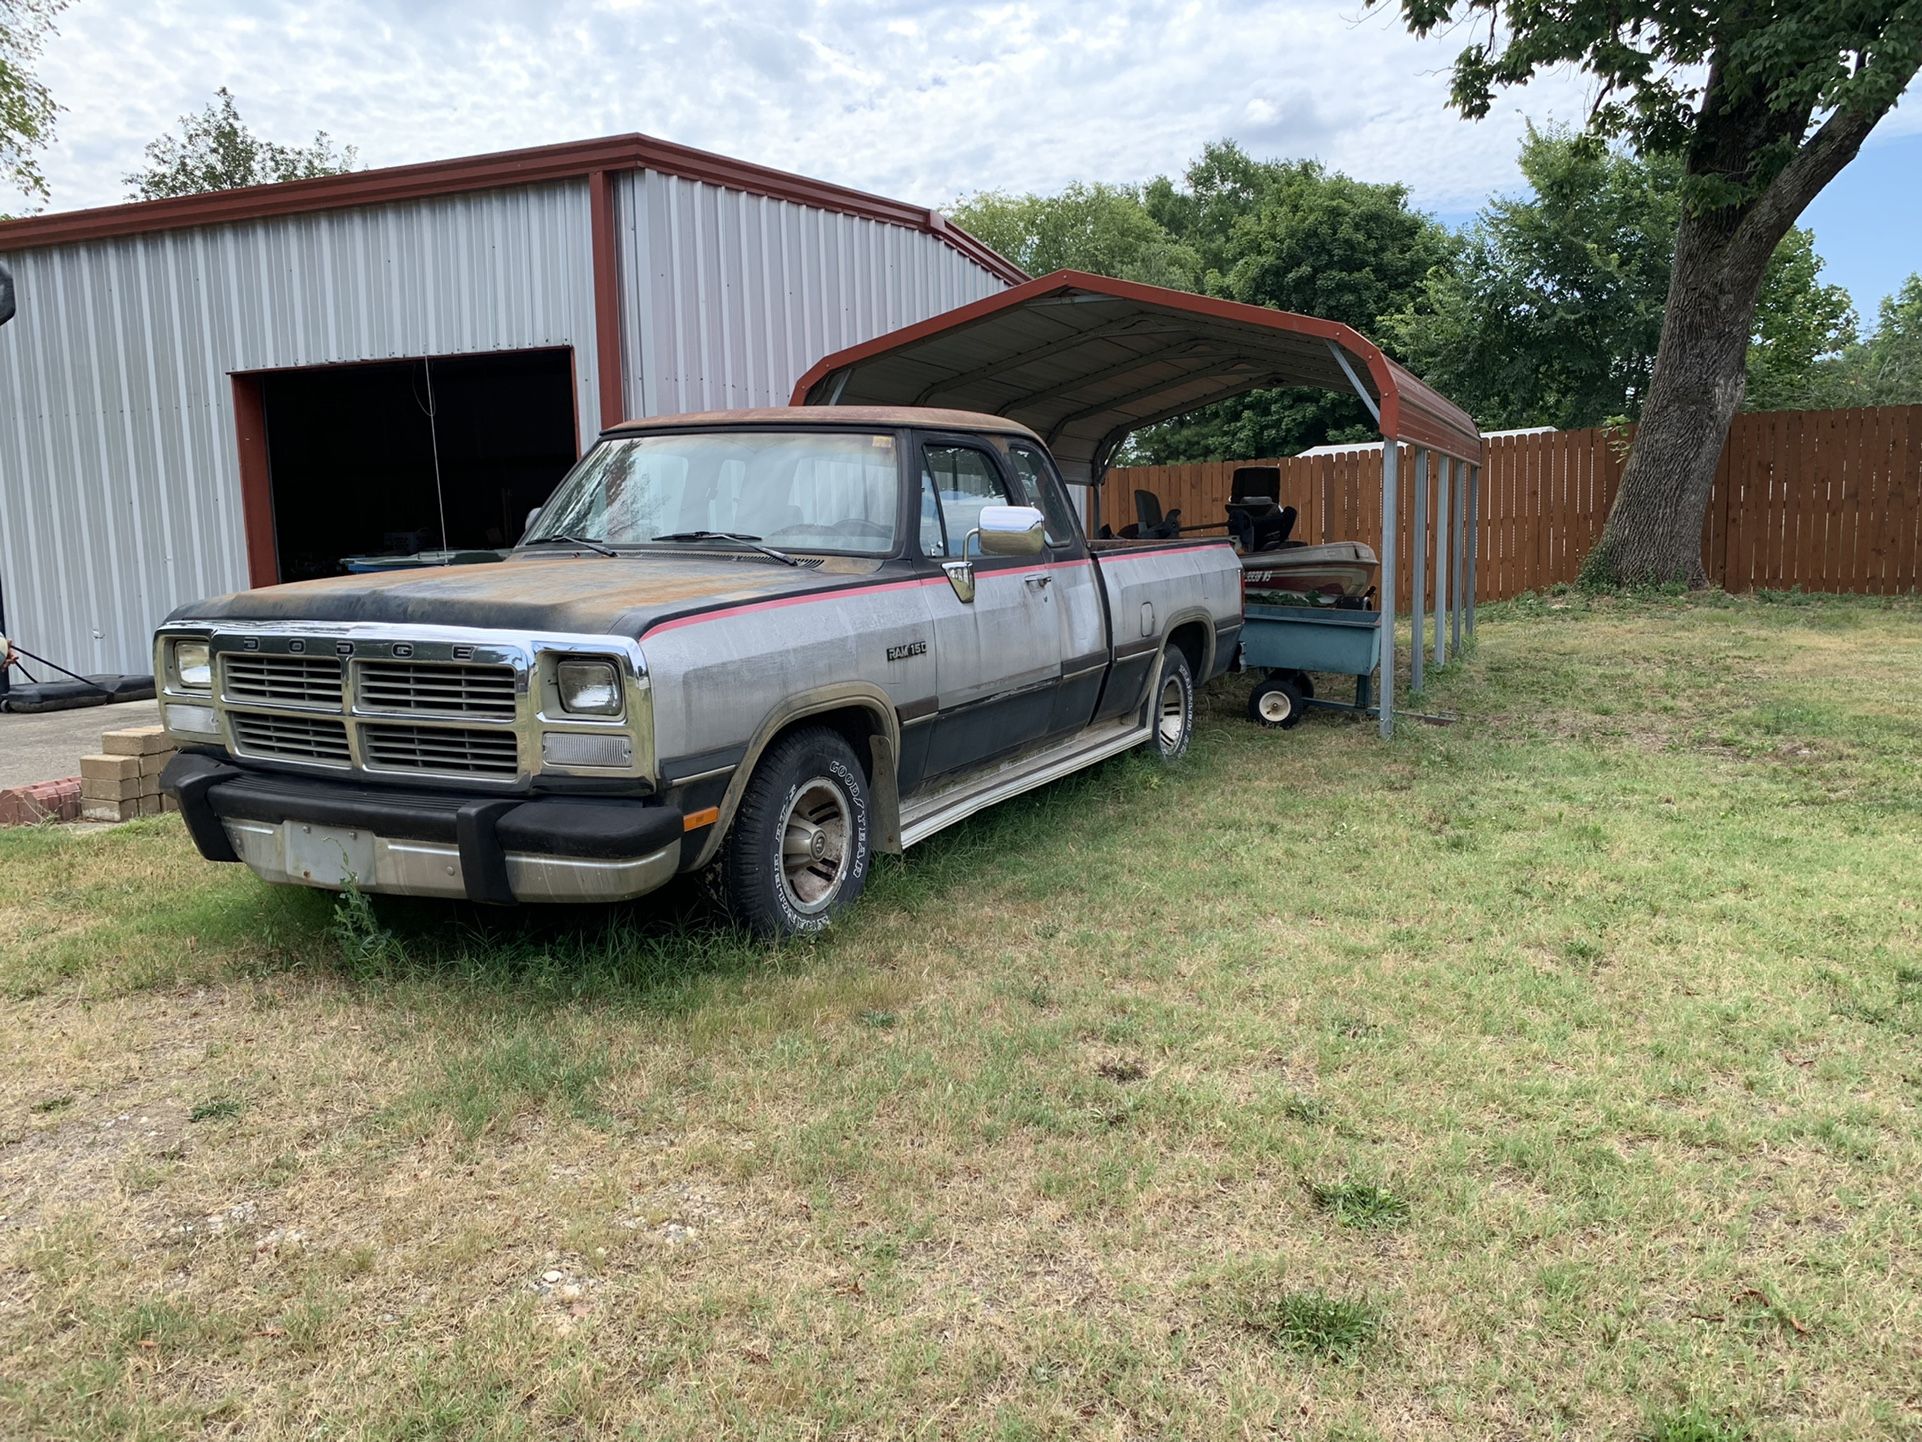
{"x": 1278, "y": 570}
{"x": 1330, "y": 571}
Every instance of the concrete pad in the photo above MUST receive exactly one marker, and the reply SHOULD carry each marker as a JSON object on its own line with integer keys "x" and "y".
{"x": 48, "y": 746}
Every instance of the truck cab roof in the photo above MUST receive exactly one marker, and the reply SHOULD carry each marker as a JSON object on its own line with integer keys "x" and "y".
{"x": 927, "y": 418}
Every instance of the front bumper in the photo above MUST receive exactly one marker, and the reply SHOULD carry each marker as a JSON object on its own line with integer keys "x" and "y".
{"x": 499, "y": 850}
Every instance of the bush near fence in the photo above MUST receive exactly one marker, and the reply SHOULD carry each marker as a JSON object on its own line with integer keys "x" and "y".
{"x": 1823, "y": 500}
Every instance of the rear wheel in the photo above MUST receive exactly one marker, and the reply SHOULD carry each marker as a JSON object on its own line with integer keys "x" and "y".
{"x": 798, "y": 852}
{"x": 1172, "y": 711}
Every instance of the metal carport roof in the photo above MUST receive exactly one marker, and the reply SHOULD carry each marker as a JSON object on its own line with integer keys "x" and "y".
{"x": 1085, "y": 359}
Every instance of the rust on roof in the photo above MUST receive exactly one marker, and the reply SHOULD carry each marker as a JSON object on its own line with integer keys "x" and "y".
{"x": 1085, "y": 360}
{"x": 933, "y": 418}
{"x": 569, "y": 161}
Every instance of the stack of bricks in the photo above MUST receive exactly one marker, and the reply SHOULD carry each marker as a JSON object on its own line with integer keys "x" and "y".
{"x": 124, "y": 780}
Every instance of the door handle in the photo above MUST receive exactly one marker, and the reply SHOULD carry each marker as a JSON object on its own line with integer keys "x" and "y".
{"x": 1037, "y": 582}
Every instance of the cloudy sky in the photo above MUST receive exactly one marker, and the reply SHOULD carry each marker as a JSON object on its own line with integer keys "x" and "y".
{"x": 922, "y": 100}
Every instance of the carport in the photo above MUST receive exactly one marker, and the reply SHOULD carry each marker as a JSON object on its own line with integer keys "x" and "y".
{"x": 1085, "y": 360}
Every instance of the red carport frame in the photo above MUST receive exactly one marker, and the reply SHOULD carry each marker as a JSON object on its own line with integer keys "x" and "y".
{"x": 1085, "y": 360}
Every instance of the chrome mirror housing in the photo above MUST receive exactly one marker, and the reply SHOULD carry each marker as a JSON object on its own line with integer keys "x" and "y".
{"x": 1011, "y": 531}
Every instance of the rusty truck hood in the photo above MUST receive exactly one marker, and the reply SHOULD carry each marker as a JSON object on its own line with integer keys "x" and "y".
{"x": 587, "y": 594}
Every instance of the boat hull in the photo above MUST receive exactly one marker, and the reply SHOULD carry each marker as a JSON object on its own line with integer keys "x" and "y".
{"x": 1332, "y": 569}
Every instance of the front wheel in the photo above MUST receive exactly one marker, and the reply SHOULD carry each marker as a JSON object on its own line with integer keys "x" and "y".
{"x": 1172, "y": 710}
{"x": 798, "y": 852}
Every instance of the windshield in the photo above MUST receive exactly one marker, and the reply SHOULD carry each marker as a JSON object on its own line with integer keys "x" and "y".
{"x": 809, "y": 490}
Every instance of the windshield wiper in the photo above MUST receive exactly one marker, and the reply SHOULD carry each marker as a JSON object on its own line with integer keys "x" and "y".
{"x": 753, "y": 543}
{"x": 571, "y": 541}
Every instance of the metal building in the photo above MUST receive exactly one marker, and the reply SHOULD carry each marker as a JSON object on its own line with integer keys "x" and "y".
{"x": 228, "y": 389}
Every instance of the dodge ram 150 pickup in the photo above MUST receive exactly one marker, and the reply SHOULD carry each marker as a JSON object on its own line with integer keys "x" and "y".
{"x": 757, "y": 645}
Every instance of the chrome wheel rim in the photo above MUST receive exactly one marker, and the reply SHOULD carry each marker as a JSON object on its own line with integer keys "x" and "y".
{"x": 814, "y": 845}
{"x": 1275, "y": 706}
{"x": 1174, "y": 714}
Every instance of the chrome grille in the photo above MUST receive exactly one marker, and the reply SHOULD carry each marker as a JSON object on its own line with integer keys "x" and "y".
{"x": 291, "y": 738}
{"x": 282, "y": 680}
{"x": 454, "y": 750}
{"x": 435, "y": 688}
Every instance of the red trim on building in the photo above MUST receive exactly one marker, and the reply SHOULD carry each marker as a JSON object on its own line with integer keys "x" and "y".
{"x": 607, "y": 299}
{"x": 571, "y": 161}
{"x": 256, "y": 481}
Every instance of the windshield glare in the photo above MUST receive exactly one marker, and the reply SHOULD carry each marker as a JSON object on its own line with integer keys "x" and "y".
{"x": 807, "y": 490}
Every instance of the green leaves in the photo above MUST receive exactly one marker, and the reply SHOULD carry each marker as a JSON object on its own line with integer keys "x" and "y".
{"x": 27, "y": 109}
{"x": 1734, "y": 88}
{"x": 216, "y": 151}
{"x": 1552, "y": 312}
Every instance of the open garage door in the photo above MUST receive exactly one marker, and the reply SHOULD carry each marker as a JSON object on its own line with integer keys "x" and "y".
{"x": 370, "y": 463}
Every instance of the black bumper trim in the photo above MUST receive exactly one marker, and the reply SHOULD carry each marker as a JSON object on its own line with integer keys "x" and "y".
{"x": 485, "y": 829}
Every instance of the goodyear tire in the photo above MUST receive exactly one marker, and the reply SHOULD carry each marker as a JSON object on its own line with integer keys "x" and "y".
{"x": 799, "y": 850}
{"x": 1171, "y": 710}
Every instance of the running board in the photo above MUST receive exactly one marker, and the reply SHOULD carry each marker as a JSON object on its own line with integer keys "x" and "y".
{"x": 921, "y": 818}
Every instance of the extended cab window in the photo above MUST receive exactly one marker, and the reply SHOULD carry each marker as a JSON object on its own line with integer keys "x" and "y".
{"x": 957, "y": 482}
{"x": 807, "y": 490}
{"x": 1036, "y": 474}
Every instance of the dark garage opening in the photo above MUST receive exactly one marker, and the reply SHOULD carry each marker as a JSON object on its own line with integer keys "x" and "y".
{"x": 353, "y": 454}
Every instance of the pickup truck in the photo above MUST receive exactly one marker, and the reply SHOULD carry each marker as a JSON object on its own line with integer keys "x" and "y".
{"x": 757, "y": 645}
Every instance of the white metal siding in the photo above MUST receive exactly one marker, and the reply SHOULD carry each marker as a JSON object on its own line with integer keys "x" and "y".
{"x": 726, "y": 297}
{"x": 119, "y": 475}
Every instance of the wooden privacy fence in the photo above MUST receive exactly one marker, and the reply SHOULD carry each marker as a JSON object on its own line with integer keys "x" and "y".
{"x": 1823, "y": 500}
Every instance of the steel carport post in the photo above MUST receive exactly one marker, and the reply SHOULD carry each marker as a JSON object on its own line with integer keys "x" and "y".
{"x": 1390, "y": 464}
{"x": 1458, "y": 573}
{"x": 1418, "y": 531}
{"x": 1474, "y": 539}
{"x": 1444, "y": 477}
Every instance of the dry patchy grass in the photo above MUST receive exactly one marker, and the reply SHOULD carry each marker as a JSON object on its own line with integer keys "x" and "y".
{"x": 1549, "y": 1075}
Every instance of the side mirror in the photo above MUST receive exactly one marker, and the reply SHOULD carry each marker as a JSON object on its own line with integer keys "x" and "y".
{"x": 1011, "y": 531}
{"x": 532, "y": 516}
{"x": 6, "y": 296}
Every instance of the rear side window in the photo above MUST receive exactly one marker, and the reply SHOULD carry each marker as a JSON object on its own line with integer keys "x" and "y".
{"x": 1037, "y": 477}
{"x": 957, "y": 483}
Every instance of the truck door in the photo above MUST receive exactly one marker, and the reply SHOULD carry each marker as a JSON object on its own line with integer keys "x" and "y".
{"x": 997, "y": 658}
{"x": 1078, "y": 606}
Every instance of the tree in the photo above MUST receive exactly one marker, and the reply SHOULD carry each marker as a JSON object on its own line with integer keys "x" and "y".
{"x": 27, "y": 111}
{"x": 1552, "y": 311}
{"x": 1100, "y": 228}
{"x": 216, "y": 151}
{"x": 1294, "y": 236}
{"x": 1891, "y": 361}
{"x": 1269, "y": 232}
{"x": 1763, "y": 104}
{"x": 1883, "y": 370}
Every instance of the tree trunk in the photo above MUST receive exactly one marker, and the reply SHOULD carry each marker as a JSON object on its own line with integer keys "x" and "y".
{"x": 1654, "y": 530}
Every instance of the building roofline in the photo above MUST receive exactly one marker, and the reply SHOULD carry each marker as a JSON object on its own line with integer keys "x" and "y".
{"x": 572, "y": 160}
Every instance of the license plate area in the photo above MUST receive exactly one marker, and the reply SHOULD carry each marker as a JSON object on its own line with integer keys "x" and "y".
{"x": 327, "y": 855}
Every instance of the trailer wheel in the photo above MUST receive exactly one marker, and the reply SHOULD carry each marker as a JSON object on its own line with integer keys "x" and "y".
{"x": 799, "y": 849}
{"x": 1276, "y": 703}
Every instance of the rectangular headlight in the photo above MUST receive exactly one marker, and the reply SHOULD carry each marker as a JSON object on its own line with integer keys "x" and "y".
{"x": 193, "y": 665}
{"x": 588, "y": 688}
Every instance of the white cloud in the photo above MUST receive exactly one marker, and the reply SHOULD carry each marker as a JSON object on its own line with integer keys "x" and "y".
{"x": 924, "y": 100}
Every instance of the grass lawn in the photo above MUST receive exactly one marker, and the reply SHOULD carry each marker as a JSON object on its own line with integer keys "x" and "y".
{"x": 1553, "y": 1074}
